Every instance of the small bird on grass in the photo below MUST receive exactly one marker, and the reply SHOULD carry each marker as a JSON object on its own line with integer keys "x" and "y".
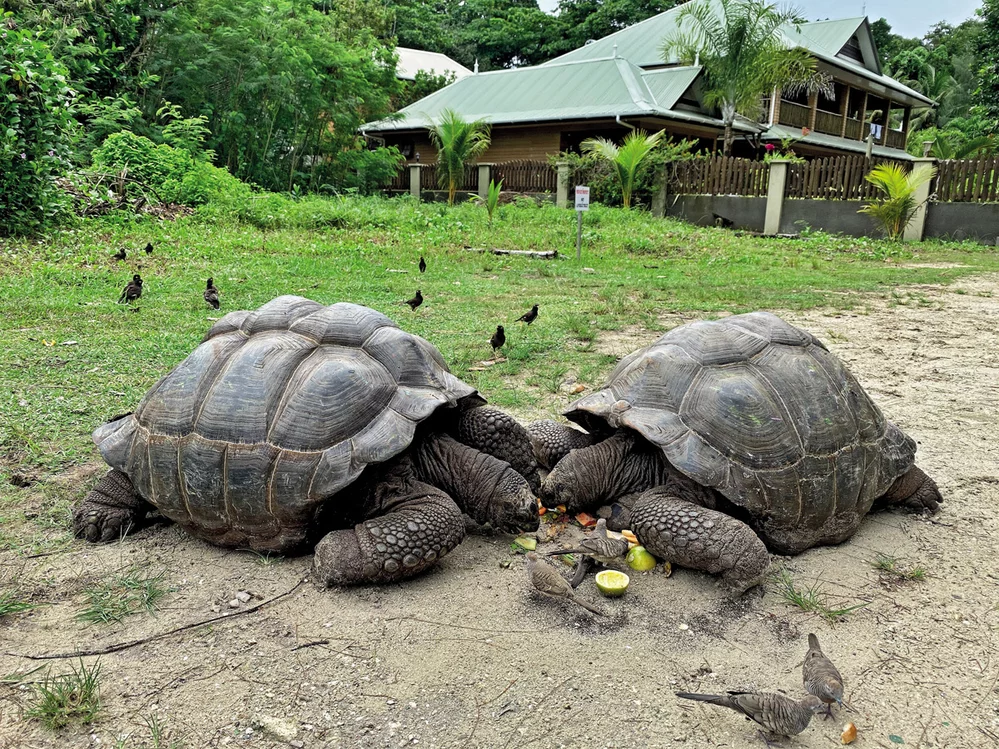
{"x": 416, "y": 301}
{"x": 423, "y": 265}
{"x": 212, "y": 294}
{"x": 821, "y": 677}
{"x": 529, "y": 317}
{"x": 132, "y": 290}
{"x": 547, "y": 581}
{"x": 498, "y": 339}
{"x": 149, "y": 248}
{"x": 780, "y": 716}
{"x": 120, "y": 255}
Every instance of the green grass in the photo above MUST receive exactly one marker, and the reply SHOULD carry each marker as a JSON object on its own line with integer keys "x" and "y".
{"x": 636, "y": 273}
{"x": 122, "y": 595}
{"x": 68, "y": 698}
{"x": 11, "y": 602}
{"x": 812, "y": 599}
{"x": 892, "y": 570}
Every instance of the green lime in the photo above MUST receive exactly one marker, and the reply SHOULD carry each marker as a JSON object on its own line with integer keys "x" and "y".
{"x": 612, "y": 583}
{"x": 639, "y": 559}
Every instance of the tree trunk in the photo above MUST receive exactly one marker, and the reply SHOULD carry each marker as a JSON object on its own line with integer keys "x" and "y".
{"x": 729, "y": 139}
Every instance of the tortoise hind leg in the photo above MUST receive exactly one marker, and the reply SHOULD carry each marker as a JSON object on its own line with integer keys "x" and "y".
{"x": 496, "y": 433}
{"x": 110, "y": 510}
{"x": 915, "y": 490}
{"x": 421, "y": 525}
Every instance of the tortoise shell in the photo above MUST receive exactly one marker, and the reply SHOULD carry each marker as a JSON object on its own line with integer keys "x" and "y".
{"x": 276, "y": 411}
{"x": 762, "y": 412}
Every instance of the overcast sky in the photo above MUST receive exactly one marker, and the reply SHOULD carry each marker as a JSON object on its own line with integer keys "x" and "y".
{"x": 907, "y": 17}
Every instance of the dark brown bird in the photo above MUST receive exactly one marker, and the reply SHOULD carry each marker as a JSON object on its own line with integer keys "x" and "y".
{"x": 780, "y": 716}
{"x": 149, "y": 248}
{"x": 416, "y": 301}
{"x": 598, "y": 546}
{"x": 498, "y": 339}
{"x": 212, "y": 294}
{"x": 529, "y": 317}
{"x": 120, "y": 254}
{"x": 423, "y": 265}
{"x": 821, "y": 677}
{"x": 132, "y": 290}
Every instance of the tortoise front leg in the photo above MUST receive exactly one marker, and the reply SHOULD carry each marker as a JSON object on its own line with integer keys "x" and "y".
{"x": 110, "y": 510}
{"x": 915, "y": 490}
{"x": 498, "y": 434}
{"x": 421, "y": 526}
{"x": 692, "y": 536}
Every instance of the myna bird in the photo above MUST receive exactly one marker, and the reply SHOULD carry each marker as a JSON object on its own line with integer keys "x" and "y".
{"x": 132, "y": 290}
{"x": 212, "y": 294}
{"x": 529, "y": 317}
{"x": 149, "y": 248}
{"x": 120, "y": 255}
{"x": 423, "y": 265}
{"x": 416, "y": 301}
{"x": 498, "y": 339}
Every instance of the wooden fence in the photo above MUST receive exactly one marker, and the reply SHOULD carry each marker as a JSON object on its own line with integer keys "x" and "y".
{"x": 968, "y": 181}
{"x": 832, "y": 178}
{"x": 469, "y": 182}
{"x": 526, "y": 176}
{"x": 719, "y": 175}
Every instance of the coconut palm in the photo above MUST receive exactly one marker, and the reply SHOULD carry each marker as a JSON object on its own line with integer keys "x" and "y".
{"x": 894, "y": 211}
{"x": 625, "y": 158}
{"x": 741, "y": 47}
{"x": 458, "y": 142}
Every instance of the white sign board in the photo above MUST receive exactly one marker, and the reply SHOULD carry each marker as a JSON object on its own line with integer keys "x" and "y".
{"x": 582, "y": 198}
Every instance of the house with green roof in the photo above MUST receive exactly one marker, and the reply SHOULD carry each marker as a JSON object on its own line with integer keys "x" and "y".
{"x": 622, "y": 81}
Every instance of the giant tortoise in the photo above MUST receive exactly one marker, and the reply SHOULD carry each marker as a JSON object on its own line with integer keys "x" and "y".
{"x": 745, "y": 420}
{"x": 300, "y": 425}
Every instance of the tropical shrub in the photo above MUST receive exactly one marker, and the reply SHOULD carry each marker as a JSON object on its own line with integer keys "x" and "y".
{"x": 894, "y": 212}
{"x": 457, "y": 142}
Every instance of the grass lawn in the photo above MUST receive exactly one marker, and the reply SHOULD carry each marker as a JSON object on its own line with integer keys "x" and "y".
{"x": 71, "y": 357}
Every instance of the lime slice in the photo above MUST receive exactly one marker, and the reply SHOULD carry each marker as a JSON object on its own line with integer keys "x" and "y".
{"x": 528, "y": 543}
{"x": 612, "y": 583}
{"x": 639, "y": 559}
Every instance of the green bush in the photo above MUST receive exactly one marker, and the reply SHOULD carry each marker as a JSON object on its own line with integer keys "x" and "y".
{"x": 36, "y": 110}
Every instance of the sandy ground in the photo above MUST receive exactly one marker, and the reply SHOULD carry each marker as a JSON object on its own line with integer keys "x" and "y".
{"x": 467, "y": 657}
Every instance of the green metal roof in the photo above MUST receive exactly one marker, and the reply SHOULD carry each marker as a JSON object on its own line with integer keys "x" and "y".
{"x": 642, "y": 44}
{"x": 588, "y": 89}
{"x": 780, "y": 132}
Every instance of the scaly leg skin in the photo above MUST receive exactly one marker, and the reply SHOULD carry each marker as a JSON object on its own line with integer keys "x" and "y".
{"x": 498, "y": 434}
{"x": 110, "y": 510}
{"x": 692, "y": 536}
{"x": 422, "y": 524}
{"x": 915, "y": 490}
{"x": 552, "y": 441}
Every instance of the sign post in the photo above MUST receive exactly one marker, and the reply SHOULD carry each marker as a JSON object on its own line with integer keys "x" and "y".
{"x": 582, "y": 204}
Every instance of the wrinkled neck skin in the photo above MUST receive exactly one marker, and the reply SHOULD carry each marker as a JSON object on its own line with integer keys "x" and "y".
{"x": 485, "y": 488}
{"x": 622, "y": 464}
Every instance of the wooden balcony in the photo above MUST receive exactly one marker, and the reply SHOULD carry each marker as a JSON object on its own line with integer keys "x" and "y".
{"x": 831, "y": 123}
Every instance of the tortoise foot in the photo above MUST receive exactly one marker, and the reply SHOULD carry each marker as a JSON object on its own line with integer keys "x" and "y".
{"x": 109, "y": 511}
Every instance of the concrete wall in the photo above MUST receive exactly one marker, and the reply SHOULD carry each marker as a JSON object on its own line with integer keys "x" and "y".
{"x": 833, "y": 216}
{"x": 957, "y": 221}
{"x": 744, "y": 213}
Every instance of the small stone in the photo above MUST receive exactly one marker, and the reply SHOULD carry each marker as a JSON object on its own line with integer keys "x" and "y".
{"x": 243, "y": 596}
{"x": 278, "y": 728}
{"x": 296, "y": 744}
{"x": 234, "y": 604}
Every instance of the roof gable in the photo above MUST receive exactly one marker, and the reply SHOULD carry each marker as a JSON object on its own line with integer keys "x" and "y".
{"x": 411, "y": 61}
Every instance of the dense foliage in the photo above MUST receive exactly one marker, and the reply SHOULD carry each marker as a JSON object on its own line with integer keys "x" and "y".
{"x": 987, "y": 93}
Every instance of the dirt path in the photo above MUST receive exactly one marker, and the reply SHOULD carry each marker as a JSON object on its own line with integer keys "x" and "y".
{"x": 464, "y": 657}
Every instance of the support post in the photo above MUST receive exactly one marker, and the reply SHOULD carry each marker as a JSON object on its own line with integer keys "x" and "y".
{"x": 562, "y": 190}
{"x": 485, "y": 175}
{"x": 414, "y": 180}
{"x": 885, "y": 121}
{"x": 775, "y": 197}
{"x": 863, "y": 118}
{"x": 914, "y": 231}
{"x": 813, "y": 106}
{"x": 845, "y": 110}
{"x": 776, "y": 115}
{"x": 659, "y": 197}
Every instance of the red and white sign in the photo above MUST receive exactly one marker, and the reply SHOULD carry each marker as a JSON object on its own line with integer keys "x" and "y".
{"x": 582, "y": 198}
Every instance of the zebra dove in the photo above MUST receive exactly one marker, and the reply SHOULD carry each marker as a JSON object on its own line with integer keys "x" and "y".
{"x": 821, "y": 677}
{"x": 598, "y": 546}
{"x": 780, "y": 716}
{"x": 547, "y": 581}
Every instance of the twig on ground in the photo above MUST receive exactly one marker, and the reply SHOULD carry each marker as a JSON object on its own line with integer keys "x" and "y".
{"x": 131, "y": 644}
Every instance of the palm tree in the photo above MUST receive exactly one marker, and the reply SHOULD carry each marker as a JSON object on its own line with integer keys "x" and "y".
{"x": 457, "y": 143}
{"x": 741, "y": 47}
{"x": 626, "y": 157}
{"x": 894, "y": 211}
